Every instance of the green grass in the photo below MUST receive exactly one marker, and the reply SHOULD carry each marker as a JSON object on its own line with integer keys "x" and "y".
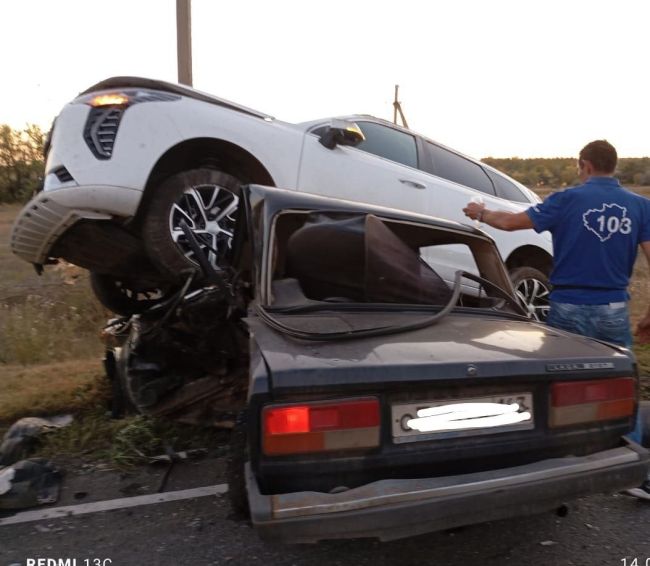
{"x": 125, "y": 442}
{"x": 80, "y": 387}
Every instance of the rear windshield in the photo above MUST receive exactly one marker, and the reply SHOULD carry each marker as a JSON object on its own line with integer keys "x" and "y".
{"x": 362, "y": 258}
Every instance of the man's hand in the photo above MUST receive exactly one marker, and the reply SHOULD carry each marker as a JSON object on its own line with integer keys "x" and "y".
{"x": 498, "y": 218}
{"x": 474, "y": 210}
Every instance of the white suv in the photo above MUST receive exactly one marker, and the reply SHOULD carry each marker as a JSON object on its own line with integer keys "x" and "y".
{"x": 131, "y": 160}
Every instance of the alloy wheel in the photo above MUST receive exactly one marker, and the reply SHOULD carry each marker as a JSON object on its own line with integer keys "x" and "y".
{"x": 533, "y": 295}
{"x": 209, "y": 211}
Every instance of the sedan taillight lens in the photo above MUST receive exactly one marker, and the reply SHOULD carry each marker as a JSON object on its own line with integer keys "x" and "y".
{"x": 320, "y": 426}
{"x": 575, "y": 402}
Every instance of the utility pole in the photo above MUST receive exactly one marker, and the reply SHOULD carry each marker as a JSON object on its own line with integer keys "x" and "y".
{"x": 184, "y": 41}
{"x": 397, "y": 107}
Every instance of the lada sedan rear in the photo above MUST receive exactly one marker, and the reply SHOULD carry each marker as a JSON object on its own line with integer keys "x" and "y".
{"x": 387, "y": 401}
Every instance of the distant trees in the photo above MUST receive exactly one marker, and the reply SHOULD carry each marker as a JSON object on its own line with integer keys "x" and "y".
{"x": 634, "y": 171}
{"x": 558, "y": 172}
{"x": 21, "y": 162}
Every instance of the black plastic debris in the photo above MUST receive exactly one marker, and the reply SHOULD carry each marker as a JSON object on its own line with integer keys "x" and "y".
{"x": 193, "y": 454}
{"x": 23, "y": 436}
{"x": 29, "y": 483}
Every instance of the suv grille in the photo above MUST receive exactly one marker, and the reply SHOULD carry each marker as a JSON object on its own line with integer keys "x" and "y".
{"x": 100, "y": 130}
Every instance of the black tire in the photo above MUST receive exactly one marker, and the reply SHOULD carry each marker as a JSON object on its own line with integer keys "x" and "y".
{"x": 191, "y": 192}
{"x": 126, "y": 297}
{"x": 532, "y": 288}
{"x": 237, "y": 456}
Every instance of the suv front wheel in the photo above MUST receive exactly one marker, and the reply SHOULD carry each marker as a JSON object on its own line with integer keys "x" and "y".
{"x": 204, "y": 199}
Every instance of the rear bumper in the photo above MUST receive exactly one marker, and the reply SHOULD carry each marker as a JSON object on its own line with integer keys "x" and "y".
{"x": 392, "y": 509}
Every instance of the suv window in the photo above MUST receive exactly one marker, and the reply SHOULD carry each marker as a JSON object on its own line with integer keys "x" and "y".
{"x": 507, "y": 189}
{"x": 451, "y": 166}
{"x": 388, "y": 143}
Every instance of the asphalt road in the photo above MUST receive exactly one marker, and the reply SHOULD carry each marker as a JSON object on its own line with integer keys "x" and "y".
{"x": 600, "y": 530}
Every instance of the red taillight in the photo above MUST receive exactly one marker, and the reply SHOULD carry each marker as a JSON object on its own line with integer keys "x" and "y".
{"x": 320, "y": 426}
{"x": 575, "y": 402}
{"x": 575, "y": 392}
{"x": 287, "y": 420}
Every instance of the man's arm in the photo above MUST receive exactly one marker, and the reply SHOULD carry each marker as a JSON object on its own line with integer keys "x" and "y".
{"x": 643, "y": 328}
{"x": 508, "y": 221}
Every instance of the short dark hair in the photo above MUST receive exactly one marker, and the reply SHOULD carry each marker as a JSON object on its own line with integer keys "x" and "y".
{"x": 601, "y": 154}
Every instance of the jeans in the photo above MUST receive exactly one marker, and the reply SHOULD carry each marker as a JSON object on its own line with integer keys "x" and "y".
{"x": 609, "y": 322}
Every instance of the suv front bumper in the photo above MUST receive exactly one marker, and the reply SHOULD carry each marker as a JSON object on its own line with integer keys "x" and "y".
{"x": 393, "y": 509}
{"x": 46, "y": 217}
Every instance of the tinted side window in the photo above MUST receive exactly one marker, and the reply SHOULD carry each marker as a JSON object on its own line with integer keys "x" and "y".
{"x": 453, "y": 167}
{"x": 388, "y": 143}
{"x": 506, "y": 189}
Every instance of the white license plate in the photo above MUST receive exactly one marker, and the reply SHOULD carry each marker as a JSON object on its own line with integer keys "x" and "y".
{"x": 450, "y": 418}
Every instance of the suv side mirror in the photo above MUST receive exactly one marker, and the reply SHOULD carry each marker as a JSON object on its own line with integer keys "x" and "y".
{"x": 340, "y": 132}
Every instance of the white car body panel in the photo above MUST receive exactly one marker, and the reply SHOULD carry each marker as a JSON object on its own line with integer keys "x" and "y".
{"x": 145, "y": 133}
{"x": 277, "y": 145}
{"x": 354, "y": 174}
{"x": 293, "y": 157}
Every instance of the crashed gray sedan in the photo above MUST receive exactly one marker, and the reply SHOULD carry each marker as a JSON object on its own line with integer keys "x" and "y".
{"x": 371, "y": 396}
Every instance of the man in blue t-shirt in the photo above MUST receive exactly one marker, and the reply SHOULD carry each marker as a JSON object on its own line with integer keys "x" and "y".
{"x": 597, "y": 228}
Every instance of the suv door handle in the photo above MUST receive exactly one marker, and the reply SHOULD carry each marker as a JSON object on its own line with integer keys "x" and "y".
{"x": 413, "y": 184}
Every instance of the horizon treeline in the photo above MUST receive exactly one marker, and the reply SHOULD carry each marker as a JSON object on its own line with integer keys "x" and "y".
{"x": 560, "y": 172}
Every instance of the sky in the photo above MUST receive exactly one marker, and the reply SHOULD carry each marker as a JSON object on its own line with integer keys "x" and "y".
{"x": 499, "y": 78}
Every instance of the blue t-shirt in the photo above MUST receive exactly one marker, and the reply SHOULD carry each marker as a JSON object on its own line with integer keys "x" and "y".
{"x": 597, "y": 228}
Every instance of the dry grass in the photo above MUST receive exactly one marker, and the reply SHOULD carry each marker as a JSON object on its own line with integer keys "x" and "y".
{"x": 640, "y": 289}
{"x": 18, "y": 277}
{"x": 43, "y": 318}
{"x": 48, "y": 389}
{"x": 643, "y": 358}
{"x": 59, "y": 326}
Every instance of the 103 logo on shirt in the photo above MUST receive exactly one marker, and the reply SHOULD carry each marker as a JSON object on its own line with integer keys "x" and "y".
{"x": 606, "y": 221}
